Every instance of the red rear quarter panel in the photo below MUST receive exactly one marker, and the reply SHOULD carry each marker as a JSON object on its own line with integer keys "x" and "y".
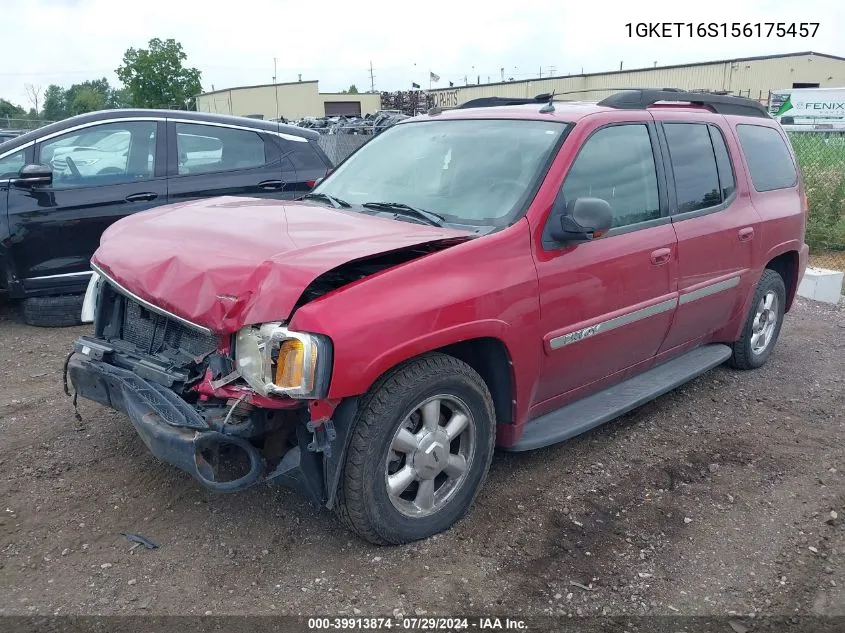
{"x": 784, "y": 222}
{"x": 486, "y": 287}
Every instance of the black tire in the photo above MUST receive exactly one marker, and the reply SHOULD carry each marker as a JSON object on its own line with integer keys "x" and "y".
{"x": 59, "y": 311}
{"x": 743, "y": 356}
{"x": 363, "y": 504}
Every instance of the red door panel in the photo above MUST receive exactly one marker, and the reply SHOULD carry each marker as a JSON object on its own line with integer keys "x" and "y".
{"x": 717, "y": 234}
{"x": 604, "y": 305}
{"x": 607, "y": 304}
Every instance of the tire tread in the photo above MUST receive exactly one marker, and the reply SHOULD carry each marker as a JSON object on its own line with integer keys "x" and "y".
{"x": 55, "y": 311}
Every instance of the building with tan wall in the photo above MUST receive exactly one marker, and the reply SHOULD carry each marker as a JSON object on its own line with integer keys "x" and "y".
{"x": 292, "y": 100}
{"x": 752, "y": 77}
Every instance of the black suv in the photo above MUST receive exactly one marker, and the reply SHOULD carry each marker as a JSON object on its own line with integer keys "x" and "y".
{"x": 62, "y": 185}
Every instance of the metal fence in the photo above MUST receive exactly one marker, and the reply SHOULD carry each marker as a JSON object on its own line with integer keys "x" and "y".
{"x": 22, "y": 124}
{"x": 340, "y": 142}
{"x": 821, "y": 157}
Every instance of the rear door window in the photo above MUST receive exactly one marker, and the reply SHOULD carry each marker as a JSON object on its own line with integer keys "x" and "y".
{"x": 208, "y": 148}
{"x": 693, "y": 165}
{"x": 723, "y": 162}
{"x": 768, "y": 157}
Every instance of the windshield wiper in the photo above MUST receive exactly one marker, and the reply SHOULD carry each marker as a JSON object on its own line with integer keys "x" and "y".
{"x": 415, "y": 212}
{"x": 337, "y": 203}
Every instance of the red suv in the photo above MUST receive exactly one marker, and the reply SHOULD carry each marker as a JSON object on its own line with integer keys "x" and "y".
{"x": 508, "y": 275}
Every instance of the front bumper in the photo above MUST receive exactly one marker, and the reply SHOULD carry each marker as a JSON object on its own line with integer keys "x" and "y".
{"x": 172, "y": 429}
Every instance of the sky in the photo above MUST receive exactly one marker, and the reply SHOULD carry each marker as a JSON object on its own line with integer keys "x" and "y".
{"x": 235, "y": 43}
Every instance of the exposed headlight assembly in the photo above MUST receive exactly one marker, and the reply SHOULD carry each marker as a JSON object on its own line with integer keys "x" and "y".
{"x": 274, "y": 360}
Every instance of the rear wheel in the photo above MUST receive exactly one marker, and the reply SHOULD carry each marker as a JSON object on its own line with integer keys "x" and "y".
{"x": 419, "y": 452}
{"x": 762, "y": 327}
{"x": 60, "y": 311}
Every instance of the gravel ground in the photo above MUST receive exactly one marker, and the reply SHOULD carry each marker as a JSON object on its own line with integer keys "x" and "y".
{"x": 724, "y": 497}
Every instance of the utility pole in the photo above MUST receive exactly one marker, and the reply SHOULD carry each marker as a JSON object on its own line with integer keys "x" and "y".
{"x": 274, "y": 70}
{"x": 372, "y": 79}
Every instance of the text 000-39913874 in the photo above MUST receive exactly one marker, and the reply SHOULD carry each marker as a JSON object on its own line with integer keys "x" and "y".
{"x": 721, "y": 29}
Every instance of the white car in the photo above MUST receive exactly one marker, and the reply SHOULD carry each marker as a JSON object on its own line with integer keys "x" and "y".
{"x": 106, "y": 156}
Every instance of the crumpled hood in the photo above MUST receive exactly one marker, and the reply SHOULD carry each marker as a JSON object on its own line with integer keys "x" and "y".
{"x": 231, "y": 261}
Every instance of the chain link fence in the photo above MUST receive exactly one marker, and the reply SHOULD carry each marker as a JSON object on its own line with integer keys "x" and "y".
{"x": 821, "y": 157}
{"x": 22, "y": 124}
{"x": 339, "y": 142}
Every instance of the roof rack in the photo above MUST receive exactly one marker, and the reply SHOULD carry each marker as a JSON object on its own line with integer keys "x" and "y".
{"x": 487, "y": 102}
{"x": 721, "y": 104}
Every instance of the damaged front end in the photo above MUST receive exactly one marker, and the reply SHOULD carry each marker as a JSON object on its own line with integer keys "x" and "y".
{"x": 231, "y": 411}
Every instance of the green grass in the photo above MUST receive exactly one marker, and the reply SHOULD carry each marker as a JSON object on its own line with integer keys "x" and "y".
{"x": 821, "y": 157}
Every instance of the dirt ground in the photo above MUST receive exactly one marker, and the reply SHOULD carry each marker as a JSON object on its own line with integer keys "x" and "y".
{"x": 724, "y": 497}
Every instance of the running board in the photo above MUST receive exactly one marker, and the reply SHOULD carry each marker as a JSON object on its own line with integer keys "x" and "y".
{"x": 592, "y": 411}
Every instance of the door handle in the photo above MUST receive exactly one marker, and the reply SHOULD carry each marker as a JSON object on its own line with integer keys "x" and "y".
{"x": 141, "y": 197}
{"x": 271, "y": 185}
{"x": 746, "y": 234}
{"x": 661, "y": 256}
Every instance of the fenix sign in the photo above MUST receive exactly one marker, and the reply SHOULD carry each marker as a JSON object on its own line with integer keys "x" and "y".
{"x": 818, "y": 103}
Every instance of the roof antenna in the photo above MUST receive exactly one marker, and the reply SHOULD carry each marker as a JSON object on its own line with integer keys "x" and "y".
{"x": 550, "y": 106}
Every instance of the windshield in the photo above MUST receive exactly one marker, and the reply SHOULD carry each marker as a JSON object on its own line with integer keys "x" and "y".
{"x": 477, "y": 172}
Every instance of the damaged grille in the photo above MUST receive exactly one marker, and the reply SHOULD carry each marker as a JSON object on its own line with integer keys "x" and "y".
{"x": 124, "y": 319}
{"x": 153, "y": 332}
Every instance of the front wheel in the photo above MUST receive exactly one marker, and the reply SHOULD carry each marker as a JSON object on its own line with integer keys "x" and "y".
{"x": 419, "y": 452}
{"x": 762, "y": 326}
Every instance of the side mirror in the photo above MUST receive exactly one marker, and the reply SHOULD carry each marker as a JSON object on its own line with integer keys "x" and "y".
{"x": 34, "y": 175}
{"x": 580, "y": 220}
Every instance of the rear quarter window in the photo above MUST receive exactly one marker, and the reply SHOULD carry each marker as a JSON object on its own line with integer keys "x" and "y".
{"x": 768, "y": 157}
{"x": 305, "y": 156}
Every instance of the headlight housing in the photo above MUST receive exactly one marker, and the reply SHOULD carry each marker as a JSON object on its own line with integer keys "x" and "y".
{"x": 274, "y": 360}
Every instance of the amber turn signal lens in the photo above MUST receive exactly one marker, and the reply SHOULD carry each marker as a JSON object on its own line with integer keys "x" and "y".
{"x": 290, "y": 365}
{"x": 291, "y": 370}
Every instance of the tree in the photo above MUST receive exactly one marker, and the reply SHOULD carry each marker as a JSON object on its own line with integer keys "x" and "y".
{"x": 352, "y": 90}
{"x": 87, "y": 99}
{"x": 87, "y": 96}
{"x": 54, "y": 103}
{"x": 9, "y": 110}
{"x": 155, "y": 77}
{"x": 119, "y": 98}
{"x": 34, "y": 94}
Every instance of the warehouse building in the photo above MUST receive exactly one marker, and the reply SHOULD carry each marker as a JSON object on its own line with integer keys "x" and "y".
{"x": 292, "y": 100}
{"x": 753, "y": 77}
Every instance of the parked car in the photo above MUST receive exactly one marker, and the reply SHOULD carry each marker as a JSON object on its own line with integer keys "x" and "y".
{"x": 508, "y": 275}
{"x": 6, "y": 134}
{"x": 62, "y": 185}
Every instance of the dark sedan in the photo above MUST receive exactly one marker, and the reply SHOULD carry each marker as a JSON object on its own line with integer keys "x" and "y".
{"x": 63, "y": 184}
